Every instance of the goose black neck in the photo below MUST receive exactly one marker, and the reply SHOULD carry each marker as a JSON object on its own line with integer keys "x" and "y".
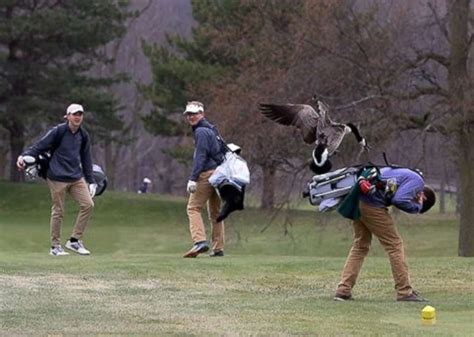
{"x": 355, "y": 131}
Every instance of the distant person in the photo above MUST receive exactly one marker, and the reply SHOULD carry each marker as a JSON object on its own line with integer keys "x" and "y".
{"x": 144, "y": 186}
{"x": 406, "y": 190}
{"x": 208, "y": 154}
{"x": 70, "y": 171}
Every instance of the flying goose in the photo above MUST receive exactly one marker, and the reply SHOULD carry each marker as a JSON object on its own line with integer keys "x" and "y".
{"x": 316, "y": 127}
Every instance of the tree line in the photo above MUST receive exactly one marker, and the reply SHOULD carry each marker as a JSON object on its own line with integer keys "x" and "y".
{"x": 401, "y": 70}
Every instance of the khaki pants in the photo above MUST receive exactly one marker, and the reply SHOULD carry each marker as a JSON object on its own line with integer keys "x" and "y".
{"x": 375, "y": 221}
{"x": 80, "y": 192}
{"x": 205, "y": 193}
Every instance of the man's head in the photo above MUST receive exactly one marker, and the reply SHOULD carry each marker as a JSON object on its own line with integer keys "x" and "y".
{"x": 194, "y": 112}
{"x": 74, "y": 114}
{"x": 429, "y": 199}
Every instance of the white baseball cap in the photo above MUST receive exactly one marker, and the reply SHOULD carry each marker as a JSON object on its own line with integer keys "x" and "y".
{"x": 194, "y": 107}
{"x": 73, "y": 108}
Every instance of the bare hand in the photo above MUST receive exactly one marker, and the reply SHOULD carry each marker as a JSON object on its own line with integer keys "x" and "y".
{"x": 20, "y": 163}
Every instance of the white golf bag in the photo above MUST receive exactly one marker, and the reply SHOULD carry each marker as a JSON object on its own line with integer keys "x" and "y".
{"x": 327, "y": 190}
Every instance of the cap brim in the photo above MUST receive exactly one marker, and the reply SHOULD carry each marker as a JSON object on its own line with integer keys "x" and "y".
{"x": 193, "y": 109}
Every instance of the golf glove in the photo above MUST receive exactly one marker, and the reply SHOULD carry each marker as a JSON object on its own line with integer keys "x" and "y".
{"x": 191, "y": 188}
{"x": 365, "y": 186}
{"x": 92, "y": 189}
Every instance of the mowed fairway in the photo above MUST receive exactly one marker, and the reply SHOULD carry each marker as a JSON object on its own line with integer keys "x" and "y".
{"x": 275, "y": 280}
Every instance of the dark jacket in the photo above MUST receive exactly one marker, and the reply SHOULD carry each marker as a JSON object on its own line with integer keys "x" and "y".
{"x": 71, "y": 154}
{"x": 208, "y": 151}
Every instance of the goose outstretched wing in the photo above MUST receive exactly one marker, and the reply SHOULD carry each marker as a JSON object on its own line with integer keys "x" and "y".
{"x": 302, "y": 116}
{"x": 323, "y": 111}
{"x": 334, "y": 135}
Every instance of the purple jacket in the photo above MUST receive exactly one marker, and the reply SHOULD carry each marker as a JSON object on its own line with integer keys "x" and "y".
{"x": 409, "y": 184}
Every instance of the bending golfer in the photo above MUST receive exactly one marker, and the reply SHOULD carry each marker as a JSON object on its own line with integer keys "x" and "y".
{"x": 70, "y": 170}
{"x": 208, "y": 154}
{"x": 406, "y": 191}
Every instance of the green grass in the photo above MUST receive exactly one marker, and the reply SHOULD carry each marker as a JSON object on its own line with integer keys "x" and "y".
{"x": 275, "y": 280}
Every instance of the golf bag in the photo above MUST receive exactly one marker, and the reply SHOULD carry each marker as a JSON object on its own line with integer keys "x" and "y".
{"x": 230, "y": 179}
{"x": 37, "y": 167}
{"x": 327, "y": 190}
{"x": 100, "y": 179}
{"x": 232, "y": 195}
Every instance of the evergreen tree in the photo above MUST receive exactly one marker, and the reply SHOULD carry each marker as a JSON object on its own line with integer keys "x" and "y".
{"x": 180, "y": 69}
{"x": 47, "y": 51}
{"x": 238, "y": 51}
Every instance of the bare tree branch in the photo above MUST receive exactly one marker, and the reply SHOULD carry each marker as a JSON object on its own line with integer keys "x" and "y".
{"x": 419, "y": 92}
{"x": 360, "y": 101}
{"x": 444, "y": 61}
{"x": 439, "y": 22}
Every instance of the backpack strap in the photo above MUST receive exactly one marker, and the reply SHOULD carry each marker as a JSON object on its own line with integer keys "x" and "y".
{"x": 61, "y": 131}
{"x": 85, "y": 138}
{"x": 224, "y": 147}
{"x": 45, "y": 157}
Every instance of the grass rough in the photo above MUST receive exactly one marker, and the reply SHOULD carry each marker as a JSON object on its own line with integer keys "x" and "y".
{"x": 276, "y": 279}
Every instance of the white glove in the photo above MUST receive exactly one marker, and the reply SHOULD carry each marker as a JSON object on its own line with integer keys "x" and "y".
{"x": 191, "y": 188}
{"x": 92, "y": 189}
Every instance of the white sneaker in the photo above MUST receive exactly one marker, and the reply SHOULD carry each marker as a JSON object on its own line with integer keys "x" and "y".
{"x": 77, "y": 247}
{"x": 57, "y": 251}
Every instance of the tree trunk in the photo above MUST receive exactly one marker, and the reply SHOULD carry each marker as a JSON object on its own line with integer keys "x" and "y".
{"x": 109, "y": 164}
{"x": 268, "y": 193}
{"x": 3, "y": 161}
{"x": 17, "y": 143}
{"x": 442, "y": 195}
{"x": 466, "y": 172}
{"x": 461, "y": 102}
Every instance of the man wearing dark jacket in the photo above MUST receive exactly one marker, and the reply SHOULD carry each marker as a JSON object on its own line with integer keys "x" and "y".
{"x": 208, "y": 154}
{"x": 404, "y": 189}
{"x": 70, "y": 170}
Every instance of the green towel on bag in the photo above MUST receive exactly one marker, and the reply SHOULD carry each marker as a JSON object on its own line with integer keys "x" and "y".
{"x": 349, "y": 207}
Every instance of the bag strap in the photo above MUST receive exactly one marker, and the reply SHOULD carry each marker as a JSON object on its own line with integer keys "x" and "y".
{"x": 62, "y": 129}
{"x": 220, "y": 139}
{"x": 60, "y": 132}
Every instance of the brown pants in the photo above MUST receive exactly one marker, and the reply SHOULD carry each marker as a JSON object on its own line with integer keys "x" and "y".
{"x": 205, "y": 193}
{"x": 80, "y": 192}
{"x": 375, "y": 221}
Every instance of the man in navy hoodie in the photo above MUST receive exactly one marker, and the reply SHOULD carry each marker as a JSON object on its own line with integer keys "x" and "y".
{"x": 208, "y": 154}
{"x": 70, "y": 170}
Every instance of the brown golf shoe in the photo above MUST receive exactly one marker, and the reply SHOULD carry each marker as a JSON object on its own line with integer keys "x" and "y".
{"x": 198, "y": 248}
{"x": 413, "y": 297}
